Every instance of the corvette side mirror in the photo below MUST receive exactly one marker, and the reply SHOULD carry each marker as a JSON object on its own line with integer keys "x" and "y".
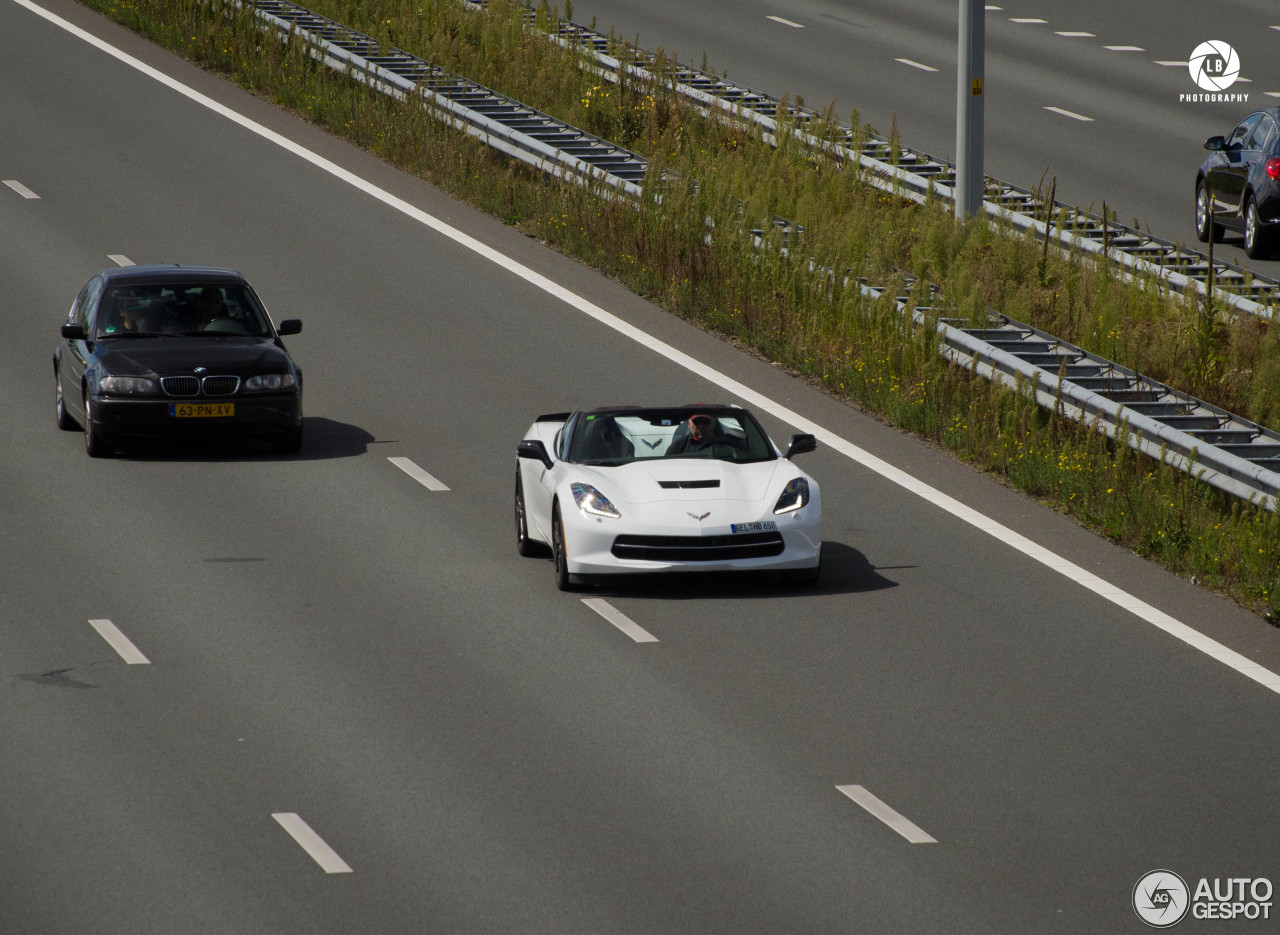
{"x": 800, "y": 444}
{"x": 535, "y": 451}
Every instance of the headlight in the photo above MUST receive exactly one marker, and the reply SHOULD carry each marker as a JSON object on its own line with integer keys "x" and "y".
{"x": 793, "y": 497}
{"x": 592, "y": 501}
{"x": 127, "y": 386}
{"x": 269, "y": 381}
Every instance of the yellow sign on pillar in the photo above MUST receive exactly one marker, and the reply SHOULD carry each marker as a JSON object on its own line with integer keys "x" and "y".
{"x": 977, "y": 87}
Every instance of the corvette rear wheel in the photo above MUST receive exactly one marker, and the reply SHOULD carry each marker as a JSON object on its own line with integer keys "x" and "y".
{"x": 524, "y": 545}
{"x": 563, "y": 580}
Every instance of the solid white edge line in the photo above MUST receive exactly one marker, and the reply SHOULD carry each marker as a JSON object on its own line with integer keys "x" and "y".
{"x": 21, "y": 189}
{"x": 119, "y": 259}
{"x": 1071, "y": 114}
{"x": 619, "y": 620}
{"x": 907, "y": 61}
{"x": 120, "y": 643}
{"x": 418, "y": 474}
{"x": 785, "y": 22}
{"x": 749, "y": 396}
{"x": 311, "y": 842}
{"x": 904, "y": 826}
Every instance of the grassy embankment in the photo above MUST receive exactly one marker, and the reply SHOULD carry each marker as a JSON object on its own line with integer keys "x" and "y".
{"x": 770, "y": 300}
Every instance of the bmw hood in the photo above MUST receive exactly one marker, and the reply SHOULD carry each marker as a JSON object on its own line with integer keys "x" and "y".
{"x": 695, "y": 480}
{"x": 217, "y": 355}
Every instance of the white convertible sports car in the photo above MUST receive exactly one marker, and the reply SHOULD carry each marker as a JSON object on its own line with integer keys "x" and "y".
{"x": 685, "y": 488}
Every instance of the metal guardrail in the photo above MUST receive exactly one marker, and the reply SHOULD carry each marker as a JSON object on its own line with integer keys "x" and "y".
{"x": 514, "y": 128}
{"x": 917, "y": 174}
{"x": 1222, "y": 449}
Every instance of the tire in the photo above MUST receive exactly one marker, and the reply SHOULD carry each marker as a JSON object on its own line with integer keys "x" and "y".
{"x": 289, "y": 445}
{"x": 65, "y": 422}
{"x": 94, "y": 445}
{"x": 1257, "y": 239}
{"x": 1205, "y": 228}
{"x": 564, "y": 581}
{"x": 524, "y": 545}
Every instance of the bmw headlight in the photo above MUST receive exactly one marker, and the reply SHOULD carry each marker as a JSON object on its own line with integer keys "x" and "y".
{"x": 269, "y": 381}
{"x": 593, "y": 502}
{"x": 127, "y": 386}
{"x": 794, "y": 496}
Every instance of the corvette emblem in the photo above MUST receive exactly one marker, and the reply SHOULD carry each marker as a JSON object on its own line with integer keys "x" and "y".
{"x": 702, "y": 517}
{"x": 652, "y": 444}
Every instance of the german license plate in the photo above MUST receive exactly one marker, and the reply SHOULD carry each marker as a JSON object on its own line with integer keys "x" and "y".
{"x": 202, "y": 410}
{"x": 766, "y": 526}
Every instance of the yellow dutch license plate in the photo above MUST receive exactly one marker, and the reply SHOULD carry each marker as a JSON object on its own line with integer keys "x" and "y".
{"x": 202, "y": 410}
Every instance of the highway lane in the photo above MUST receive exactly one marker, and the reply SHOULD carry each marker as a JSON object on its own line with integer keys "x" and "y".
{"x": 329, "y": 638}
{"x": 1138, "y": 149}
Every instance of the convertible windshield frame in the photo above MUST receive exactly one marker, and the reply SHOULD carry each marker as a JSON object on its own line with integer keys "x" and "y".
{"x": 619, "y": 436}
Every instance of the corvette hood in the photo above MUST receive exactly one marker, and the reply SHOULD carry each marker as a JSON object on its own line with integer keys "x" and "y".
{"x": 694, "y": 480}
{"x": 160, "y": 356}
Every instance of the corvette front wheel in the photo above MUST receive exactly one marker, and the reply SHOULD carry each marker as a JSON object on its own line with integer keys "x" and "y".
{"x": 563, "y": 580}
{"x": 524, "y": 545}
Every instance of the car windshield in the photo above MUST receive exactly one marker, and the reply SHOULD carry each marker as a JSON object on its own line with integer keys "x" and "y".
{"x": 197, "y": 309}
{"x": 611, "y": 437}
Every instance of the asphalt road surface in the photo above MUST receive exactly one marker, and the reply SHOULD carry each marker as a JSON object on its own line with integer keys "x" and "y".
{"x": 245, "y": 693}
{"x": 1090, "y": 93}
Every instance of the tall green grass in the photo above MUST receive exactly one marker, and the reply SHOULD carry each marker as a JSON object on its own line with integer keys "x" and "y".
{"x": 718, "y": 178}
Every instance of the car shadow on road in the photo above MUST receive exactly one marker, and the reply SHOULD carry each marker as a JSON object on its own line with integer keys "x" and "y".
{"x": 845, "y": 570}
{"x": 322, "y": 439}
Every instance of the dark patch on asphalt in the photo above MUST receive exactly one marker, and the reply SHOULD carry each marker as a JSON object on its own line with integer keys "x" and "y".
{"x": 57, "y": 678}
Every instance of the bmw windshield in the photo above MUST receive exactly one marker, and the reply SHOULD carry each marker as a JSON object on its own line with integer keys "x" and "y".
{"x": 612, "y": 437}
{"x": 196, "y": 309}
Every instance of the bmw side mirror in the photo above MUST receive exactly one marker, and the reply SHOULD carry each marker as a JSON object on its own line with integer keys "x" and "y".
{"x": 73, "y": 332}
{"x": 289, "y": 326}
{"x": 1215, "y": 143}
{"x": 800, "y": 444}
{"x": 534, "y": 450}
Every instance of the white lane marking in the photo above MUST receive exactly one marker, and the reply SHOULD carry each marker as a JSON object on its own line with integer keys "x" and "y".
{"x": 21, "y": 189}
{"x": 1077, "y": 35}
{"x": 1124, "y": 48}
{"x": 785, "y": 22}
{"x": 908, "y": 829}
{"x": 907, "y": 61}
{"x": 620, "y": 620}
{"x": 1175, "y": 64}
{"x": 119, "y": 259}
{"x": 1016, "y": 541}
{"x": 1026, "y": 20}
{"x": 120, "y": 643}
{"x": 1067, "y": 113}
{"x": 995, "y": 8}
{"x": 418, "y": 474}
{"x": 1272, "y": 93}
{"x": 311, "y": 842}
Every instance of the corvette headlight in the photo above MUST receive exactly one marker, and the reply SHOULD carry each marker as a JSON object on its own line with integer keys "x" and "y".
{"x": 269, "y": 381}
{"x": 127, "y": 386}
{"x": 794, "y": 496}
{"x": 592, "y": 501}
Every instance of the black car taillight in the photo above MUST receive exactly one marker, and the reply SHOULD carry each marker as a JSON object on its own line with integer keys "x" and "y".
{"x": 1273, "y": 168}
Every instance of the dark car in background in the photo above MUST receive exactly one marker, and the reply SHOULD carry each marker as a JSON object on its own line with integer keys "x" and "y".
{"x": 1241, "y": 180}
{"x": 175, "y": 351}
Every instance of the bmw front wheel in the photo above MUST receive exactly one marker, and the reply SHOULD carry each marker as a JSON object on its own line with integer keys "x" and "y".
{"x": 1257, "y": 240}
{"x": 93, "y": 441}
{"x": 1206, "y": 230}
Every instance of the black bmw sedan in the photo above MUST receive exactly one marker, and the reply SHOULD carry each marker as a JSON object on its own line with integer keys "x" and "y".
{"x": 175, "y": 351}
{"x": 1242, "y": 177}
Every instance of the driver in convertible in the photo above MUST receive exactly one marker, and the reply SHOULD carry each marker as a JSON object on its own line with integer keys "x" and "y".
{"x": 704, "y": 431}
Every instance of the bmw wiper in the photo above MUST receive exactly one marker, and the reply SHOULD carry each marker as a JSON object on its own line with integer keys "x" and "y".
{"x": 129, "y": 334}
